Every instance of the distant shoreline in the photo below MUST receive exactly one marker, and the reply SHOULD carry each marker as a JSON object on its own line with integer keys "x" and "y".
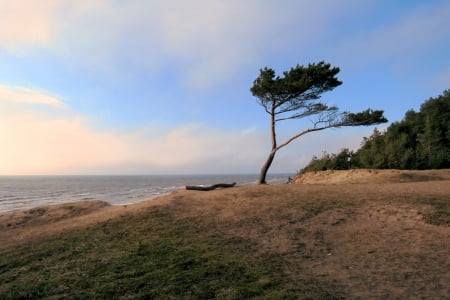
{"x": 25, "y": 192}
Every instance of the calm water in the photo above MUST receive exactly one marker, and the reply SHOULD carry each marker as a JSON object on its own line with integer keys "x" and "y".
{"x": 25, "y": 192}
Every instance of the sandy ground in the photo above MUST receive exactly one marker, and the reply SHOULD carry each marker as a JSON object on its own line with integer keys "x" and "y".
{"x": 371, "y": 176}
{"x": 373, "y": 238}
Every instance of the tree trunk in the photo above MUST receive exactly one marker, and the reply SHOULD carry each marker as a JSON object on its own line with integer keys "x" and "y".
{"x": 268, "y": 163}
{"x": 265, "y": 168}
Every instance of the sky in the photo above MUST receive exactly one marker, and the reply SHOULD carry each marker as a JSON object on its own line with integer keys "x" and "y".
{"x": 162, "y": 87}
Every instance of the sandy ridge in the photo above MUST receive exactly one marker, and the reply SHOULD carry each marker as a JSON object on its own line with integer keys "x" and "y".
{"x": 371, "y": 176}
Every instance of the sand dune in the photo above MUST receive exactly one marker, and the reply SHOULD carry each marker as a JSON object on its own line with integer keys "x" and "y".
{"x": 371, "y": 176}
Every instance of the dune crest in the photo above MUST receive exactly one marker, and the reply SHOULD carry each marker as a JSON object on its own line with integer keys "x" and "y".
{"x": 371, "y": 176}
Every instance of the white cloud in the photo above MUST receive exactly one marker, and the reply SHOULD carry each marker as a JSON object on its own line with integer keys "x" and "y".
{"x": 210, "y": 41}
{"x": 207, "y": 41}
{"x": 35, "y": 142}
{"x": 196, "y": 148}
{"x": 28, "y": 96}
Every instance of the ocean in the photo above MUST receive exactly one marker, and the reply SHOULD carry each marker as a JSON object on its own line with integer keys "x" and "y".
{"x": 25, "y": 192}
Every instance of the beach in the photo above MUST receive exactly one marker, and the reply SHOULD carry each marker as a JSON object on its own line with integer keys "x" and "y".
{"x": 27, "y": 192}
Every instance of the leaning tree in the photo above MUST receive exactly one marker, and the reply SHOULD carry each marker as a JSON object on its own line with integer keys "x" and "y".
{"x": 296, "y": 95}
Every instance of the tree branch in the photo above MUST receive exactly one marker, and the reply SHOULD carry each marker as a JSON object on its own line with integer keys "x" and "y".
{"x": 332, "y": 120}
{"x": 303, "y": 133}
{"x": 309, "y": 110}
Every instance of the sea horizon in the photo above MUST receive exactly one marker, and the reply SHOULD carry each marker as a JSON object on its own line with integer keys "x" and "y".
{"x": 22, "y": 192}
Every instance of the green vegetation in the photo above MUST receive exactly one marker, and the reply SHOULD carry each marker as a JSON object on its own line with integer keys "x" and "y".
{"x": 151, "y": 256}
{"x": 420, "y": 141}
{"x": 147, "y": 256}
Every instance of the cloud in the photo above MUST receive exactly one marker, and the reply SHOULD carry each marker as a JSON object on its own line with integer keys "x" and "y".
{"x": 37, "y": 142}
{"x": 195, "y": 148}
{"x": 28, "y": 23}
{"x": 24, "y": 23}
{"x": 203, "y": 42}
{"x": 28, "y": 96}
{"x": 209, "y": 42}
{"x": 206, "y": 41}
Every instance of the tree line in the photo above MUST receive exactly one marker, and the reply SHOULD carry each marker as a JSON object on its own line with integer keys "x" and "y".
{"x": 420, "y": 141}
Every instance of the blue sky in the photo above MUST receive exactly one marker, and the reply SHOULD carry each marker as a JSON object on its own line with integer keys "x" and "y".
{"x": 162, "y": 87}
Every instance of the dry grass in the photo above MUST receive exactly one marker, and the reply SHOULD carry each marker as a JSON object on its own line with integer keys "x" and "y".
{"x": 383, "y": 239}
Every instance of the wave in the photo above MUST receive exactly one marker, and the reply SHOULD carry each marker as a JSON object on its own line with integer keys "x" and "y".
{"x": 25, "y": 192}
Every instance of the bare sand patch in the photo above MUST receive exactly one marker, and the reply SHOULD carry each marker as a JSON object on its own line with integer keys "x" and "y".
{"x": 371, "y": 176}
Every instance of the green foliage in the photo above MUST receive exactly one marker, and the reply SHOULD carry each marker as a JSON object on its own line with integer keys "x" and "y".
{"x": 297, "y": 92}
{"x": 420, "y": 141}
{"x": 366, "y": 117}
{"x": 340, "y": 161}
